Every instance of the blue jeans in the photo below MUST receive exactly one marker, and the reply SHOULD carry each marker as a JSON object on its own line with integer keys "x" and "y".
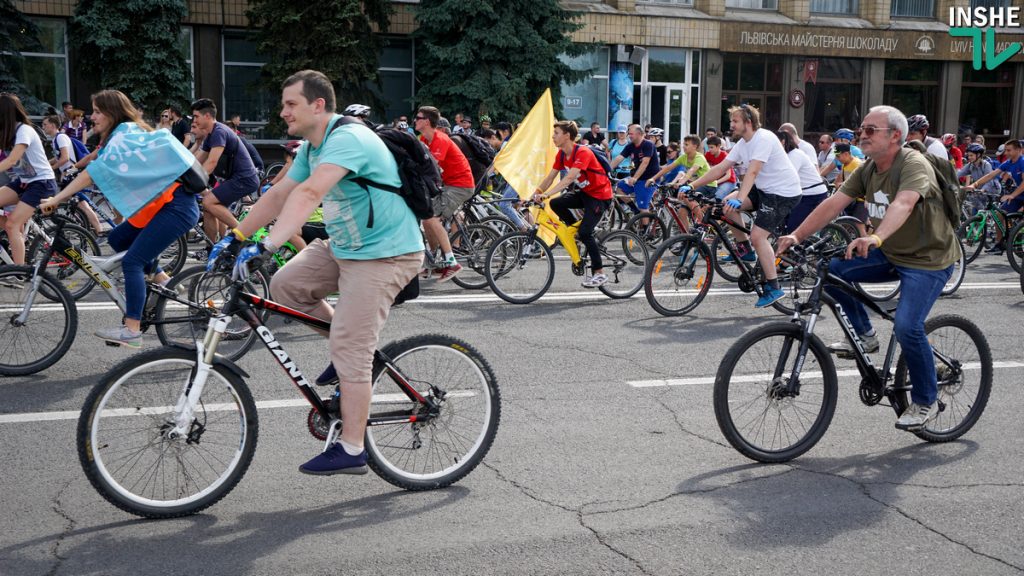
{"x": 506, "y": 207}
{"x": 919, "y": 290}
{"x": 724, "y": 189}
{"x": 144, "y": 246}
{"x": 640, "y": 192}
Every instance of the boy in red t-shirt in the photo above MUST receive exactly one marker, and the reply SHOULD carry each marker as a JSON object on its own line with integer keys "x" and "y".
{"x": 593, "y": 197}
{"x": 715, "y": 155}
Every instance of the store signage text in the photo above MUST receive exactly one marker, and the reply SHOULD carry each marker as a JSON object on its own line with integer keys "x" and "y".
{"x": 816, "y": 40}
{"x": 979, "y": 24}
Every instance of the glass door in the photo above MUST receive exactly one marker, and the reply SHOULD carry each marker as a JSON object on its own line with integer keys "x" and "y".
{"x": 670, "y": 110}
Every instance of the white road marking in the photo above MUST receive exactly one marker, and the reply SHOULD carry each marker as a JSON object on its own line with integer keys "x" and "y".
{"x": 483, "y": 296}
{"x": 709, "y": 380}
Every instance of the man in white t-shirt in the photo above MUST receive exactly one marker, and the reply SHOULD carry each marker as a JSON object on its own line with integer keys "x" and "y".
{"x": 64, "y": 156}
{"x": 918, "y": 126}
{"x": 770, "y": 187}
{"x": 805, "y": 146}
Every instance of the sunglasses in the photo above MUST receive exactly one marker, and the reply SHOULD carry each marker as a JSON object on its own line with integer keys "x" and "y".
{"x": 420, "y": 118}
{"x": 164, "y": 116}
{"x": 869, "y": 130}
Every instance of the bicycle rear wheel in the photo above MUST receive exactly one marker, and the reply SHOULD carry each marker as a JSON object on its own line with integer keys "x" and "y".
{"x": 624, "y": 257}
{"x": 519, "y": 269}
{"x": 172, "y": 259}
{"x": 177, "y": 324}
{"x": 649, "y": 227}
{"x": 973, "y": 235}
{"x": 753, "y": 410}
{"x": 1015, "y": 247}
{"x": 959, "y": 271}
{"x": 679, "y": 275}
{"x": 76, "y": 280}
{"x": 47, "y": 331}
{"x": 444, "y": 446}
{"x": 129, "y": 450}
{"x": 470, "y": 244}
{"x": 963, "y": 388}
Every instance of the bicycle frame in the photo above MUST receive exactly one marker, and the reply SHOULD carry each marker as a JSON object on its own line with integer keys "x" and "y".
{"x": 566, "y": 234}
{"x": 243, "y": 304}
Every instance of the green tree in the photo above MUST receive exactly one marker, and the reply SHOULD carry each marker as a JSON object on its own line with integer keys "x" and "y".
{"x": 494, "y": 56}
{"x": 21, "y": 35}
{"x": 336, "y": 37}
{"x": 134, "y": 46}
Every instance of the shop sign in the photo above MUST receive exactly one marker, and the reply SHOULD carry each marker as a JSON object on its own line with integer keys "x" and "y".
{"x": 573, "y": 102}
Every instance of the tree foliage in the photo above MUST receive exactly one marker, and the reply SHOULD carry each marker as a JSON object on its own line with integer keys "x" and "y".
{"x": 336, "y": 37}
{"x": 17, "y": 34}
{"x": 494, "y": 56}
{"x": 134, "y": 46}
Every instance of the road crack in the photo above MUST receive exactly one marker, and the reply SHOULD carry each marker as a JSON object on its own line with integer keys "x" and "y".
{"x": 69, "y": 524}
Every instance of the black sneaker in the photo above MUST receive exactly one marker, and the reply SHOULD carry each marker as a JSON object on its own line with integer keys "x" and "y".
{"x": 328, "y": 376}
{"x": 335, "y": 460}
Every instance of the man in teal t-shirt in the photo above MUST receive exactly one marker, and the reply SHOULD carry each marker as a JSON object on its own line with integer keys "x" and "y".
{"x": 367, "y": 266}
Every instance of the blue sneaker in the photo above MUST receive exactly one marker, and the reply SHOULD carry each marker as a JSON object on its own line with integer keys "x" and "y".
{"x": 328, "y": 376}
{"x": 335, "y": 460}
{"x": 771, "y": 295}
{"x": 748, "y": 257}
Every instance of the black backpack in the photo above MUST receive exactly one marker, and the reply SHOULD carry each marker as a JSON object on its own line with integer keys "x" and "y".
{"x": 477, "y": 151}
{"x": 602, "y": 158}
{"x": 417, "y": 169}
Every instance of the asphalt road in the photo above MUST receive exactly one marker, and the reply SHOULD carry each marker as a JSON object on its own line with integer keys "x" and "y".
{"x": 590, "y": 472}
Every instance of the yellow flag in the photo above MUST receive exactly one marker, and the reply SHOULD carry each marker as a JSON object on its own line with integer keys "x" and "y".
{"x": 530, "y": 153}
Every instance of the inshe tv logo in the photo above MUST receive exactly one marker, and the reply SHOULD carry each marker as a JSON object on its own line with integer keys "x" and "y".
{"x": 980, "y": 25}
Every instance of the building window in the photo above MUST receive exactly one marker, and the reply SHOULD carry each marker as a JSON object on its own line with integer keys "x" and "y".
{"x": 833, "y": 101}
{"x": 753, "y": 4}
{"x": 913, "y": 9}
{"x": 243, "y": 93}
{"x": 587, "y": 101}
{"x": 986, "y": 100}
{"x": 835, "y": 6}
{"x": 397, "y": 80}
{"x": 755, "y": 80}
{"x": 675, "y": 2}
{"x": 990, "y": 4}
{"x": 45, "y": 73}
{"x": 912, "y": 86}
{"x": 188, "y": 53}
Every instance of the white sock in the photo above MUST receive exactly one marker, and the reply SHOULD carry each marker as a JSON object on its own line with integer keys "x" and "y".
{"x": 869, "y": 333}
{"x": 449, "y": 257}
{"x": 350, "y": 449}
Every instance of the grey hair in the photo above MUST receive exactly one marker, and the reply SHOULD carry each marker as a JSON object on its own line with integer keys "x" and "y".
{"x": 894, "y": 119}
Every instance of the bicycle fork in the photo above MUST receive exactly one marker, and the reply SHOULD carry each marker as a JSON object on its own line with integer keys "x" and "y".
{"x": 184, "y": 410}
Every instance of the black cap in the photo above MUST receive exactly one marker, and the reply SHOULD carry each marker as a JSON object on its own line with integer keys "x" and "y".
{"x": 840, "y": 148}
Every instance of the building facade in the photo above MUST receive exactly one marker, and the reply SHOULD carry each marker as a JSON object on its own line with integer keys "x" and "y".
{"x": 676, "y": 64}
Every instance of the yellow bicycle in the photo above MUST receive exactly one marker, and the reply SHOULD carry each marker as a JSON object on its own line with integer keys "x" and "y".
{"x": 520, "y": 266}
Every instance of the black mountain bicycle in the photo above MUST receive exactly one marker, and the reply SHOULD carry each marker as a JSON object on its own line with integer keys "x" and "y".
{"x": 168, "y": 433}
{"x": 775, "y": 391}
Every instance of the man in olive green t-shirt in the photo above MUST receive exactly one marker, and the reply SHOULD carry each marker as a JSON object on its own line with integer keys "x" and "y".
{"x": 913, "y": 242}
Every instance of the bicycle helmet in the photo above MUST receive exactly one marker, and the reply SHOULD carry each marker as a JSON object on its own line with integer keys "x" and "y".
{"x": 843, "y": 134}
{"x": 948, "y": 139}
{"x": 658, "y": 132}
{"x": 917, "y": 123}
{"x": 976, "y": 148}
{"x": 357, "y": 110}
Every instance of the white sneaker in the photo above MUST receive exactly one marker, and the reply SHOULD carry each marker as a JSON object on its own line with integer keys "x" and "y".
{"x": 594, "y": 281}
{"x": 916, "y": 416}
{"x": 844, "y": 349}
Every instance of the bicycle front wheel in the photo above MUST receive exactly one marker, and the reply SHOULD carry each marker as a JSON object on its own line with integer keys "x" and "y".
{"x": 1015, "y": 247}
{"x": 519, "y": 267}
{"x": 470, "y": 244}
{"x": 963, "y": 366}
{"x": 754, "y": 408}
{"x": 172, "y": 259}
{"x": 177, "y": 324}
{"x": 77, "y": 281}
{"x": 447, "y": 442}
{"x": 973, "y": 235}
{"x": 134, "y": 457}
{"x": 624, "y": 257}
{"x": 649, "y": 227}
{"x": 959, "y": 270}
{"x": 679, "y": 275}
{"x": 35, "y": 341}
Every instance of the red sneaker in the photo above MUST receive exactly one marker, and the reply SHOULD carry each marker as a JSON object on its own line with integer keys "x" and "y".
{"x": 448, "y": 272}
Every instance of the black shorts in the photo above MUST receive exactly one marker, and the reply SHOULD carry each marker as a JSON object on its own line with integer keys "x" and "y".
{"x": 33, "y": 193}
{"x": 771, "y": 210}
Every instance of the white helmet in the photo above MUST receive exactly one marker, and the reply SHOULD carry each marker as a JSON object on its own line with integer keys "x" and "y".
{"x": 357, "y": 110}
{"x": 656, "y": 132}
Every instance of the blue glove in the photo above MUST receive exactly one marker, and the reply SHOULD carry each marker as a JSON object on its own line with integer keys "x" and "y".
{"x": 218, "y": 249}
{"x": 685, "y": 188}
{"x": 734, "y": 203}
{"x": 253, "y": 253}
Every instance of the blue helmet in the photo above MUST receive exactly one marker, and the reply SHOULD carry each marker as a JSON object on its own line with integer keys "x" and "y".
{"x": 843, "y": 134}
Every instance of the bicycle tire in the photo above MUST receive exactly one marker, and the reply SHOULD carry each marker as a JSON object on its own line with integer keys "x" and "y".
{"x": 653, "y": 232}
{"x": 35, "y": 336}
{"x": 624, "y": 258}
{"x": 959, "y": 271}
{"x": 735, "y": 372}
{"x": 433, "y": 363}
{"x": 184, "y": 328}
{"x": 681, "y": 264}
{"x": 1015, "y": 247}
{"x": 947, "y": 425}
{"x": 500, "y": 224}
{"x": 70, "y": 275}
{"x": 517, "y": 277}
{"x": 173, "y": 258}
{"x": 73, "y": 212}
{"x": 140, "y": 393}
{"x": 729, "y": 271}
{"x": 972, "y": 234}
{"x": 473, "y": 257}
